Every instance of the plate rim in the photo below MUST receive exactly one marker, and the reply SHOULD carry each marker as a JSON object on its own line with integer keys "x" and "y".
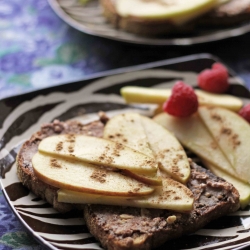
{"x": 186, "y": 41}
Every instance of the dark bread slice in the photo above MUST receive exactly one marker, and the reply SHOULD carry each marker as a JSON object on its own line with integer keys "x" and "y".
{"x": 29, "y": 148}
{"x": 228, "y": 14}
{"x": 120, "y": 228}
{"x": 125, "y": 227}
{"x": 142, "y": 26}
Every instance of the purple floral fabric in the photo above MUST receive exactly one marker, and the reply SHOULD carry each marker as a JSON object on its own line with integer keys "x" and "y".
{"x": 37, "y": 49}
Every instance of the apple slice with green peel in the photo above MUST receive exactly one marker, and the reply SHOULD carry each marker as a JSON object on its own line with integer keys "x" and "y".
{"x": 193, "y": 134}
{"x": 84, "y": 177}
{"x": 242, "y": 187}
{"x": 232, "y": 133}
{"x": 167, "y": 150}
{"x": 98, "y": 151}
{"x": 172, "y": 195}
{"x": 133, "y": 94}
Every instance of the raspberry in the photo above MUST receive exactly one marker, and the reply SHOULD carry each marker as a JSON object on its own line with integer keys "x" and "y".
{"x": 214, "y": 80}
{"x": 245, "y": 112}
{"x": 183, "y": 102}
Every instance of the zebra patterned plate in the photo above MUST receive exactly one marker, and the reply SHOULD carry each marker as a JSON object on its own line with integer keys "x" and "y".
{"x": 88, "y": 18}
{"x": 21, "y": 116}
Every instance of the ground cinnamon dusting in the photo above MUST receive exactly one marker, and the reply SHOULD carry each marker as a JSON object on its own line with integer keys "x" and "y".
{"x": 59, "y": 146}
{"x": 54, "y": 163}
{"x": 99, "y": 175}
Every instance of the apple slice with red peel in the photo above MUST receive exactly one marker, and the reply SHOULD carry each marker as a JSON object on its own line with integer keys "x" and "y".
{"x": 84, "y": 177}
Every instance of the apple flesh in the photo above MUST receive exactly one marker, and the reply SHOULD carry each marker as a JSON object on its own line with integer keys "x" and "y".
{"x": 146, "y": 136}
{"x": 84, "y": 177}
{"x": 98, "y": 151}
{"x": 172, "y": 195}
{"x": 133, "y": 94}
{"x": 193, "y": 134}
{"x": 232, "y": 133}
{"x": 127, "y": 129}
{"x": 167, "y": 150}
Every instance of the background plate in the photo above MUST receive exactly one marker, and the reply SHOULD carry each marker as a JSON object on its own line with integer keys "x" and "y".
{"x": 88, "y": 19}
{"x": 21, "y": 116}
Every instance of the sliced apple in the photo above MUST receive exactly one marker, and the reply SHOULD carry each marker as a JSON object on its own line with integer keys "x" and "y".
{"x": 85, "y": 177}
{"x": 144, "y": 135}
{"x": 193, "y": 134}
{"x": 98, "y": 151}
{"x": 173, "y": 195}
{"x": 167, "y": 149}
{"x": 232, "y": 133}
{"x": 133, "y": 94}
{"x": 127, "y": 129}
{"x": 242, "y": 187}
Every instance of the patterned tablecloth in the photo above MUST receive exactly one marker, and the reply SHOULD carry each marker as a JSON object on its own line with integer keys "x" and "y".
{"x": 37, "y": 50}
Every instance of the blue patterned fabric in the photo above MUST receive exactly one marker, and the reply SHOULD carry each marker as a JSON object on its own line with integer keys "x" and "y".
{"x": 12, "y": 234}
{"x": 37, "y": 49}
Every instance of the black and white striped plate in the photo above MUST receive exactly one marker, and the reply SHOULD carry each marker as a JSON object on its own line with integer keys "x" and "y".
{"x": 22, "y": 115}
{"x": 88, "y": 18}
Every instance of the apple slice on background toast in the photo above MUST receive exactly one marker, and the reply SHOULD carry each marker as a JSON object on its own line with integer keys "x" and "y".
{"x": 98, "y": 151}
{"x": 232, "y": 133}
{"x": 84, "y": 177}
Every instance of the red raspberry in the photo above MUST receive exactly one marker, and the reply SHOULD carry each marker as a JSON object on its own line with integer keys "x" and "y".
{"x": 183, "y": 101}
{"x": 245, "y": 112}
{"x": 214, "y": 80}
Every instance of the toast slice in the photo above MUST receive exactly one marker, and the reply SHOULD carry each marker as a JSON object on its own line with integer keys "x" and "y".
{"x": 120, "y": 228}
{"x": 230, "y": 13}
